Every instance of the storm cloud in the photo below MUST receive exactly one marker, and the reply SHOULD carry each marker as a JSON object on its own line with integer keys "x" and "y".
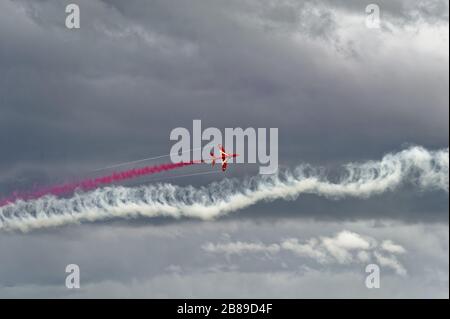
{"x": 72, "y": 101}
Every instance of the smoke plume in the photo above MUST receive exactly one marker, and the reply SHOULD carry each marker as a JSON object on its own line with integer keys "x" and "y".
{"x": 426, "y": 170}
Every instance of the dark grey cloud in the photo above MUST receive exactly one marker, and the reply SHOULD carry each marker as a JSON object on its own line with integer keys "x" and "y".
{"x": 113, "y": 90}
{"x": 111, "y": 87}
{"x": 171, "y": 261}
{"x": 75, "y": 100}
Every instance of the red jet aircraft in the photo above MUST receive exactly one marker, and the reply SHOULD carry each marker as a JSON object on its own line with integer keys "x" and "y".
{"x": 223, "y": 157}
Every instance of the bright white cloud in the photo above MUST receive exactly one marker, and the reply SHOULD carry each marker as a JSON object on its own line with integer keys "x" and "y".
{"x": 391, "y": 262}
{"x": 308, "y": 249}
{"x": 344, "y": 248}
{"x": 340, "y": 247}
{"x": 390, "y": 247}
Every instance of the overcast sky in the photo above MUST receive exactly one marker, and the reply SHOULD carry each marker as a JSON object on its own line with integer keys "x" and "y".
{"x": 72, "y": 101}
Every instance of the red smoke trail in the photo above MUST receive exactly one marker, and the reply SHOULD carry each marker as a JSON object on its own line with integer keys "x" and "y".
{"x": 89, "y": 184}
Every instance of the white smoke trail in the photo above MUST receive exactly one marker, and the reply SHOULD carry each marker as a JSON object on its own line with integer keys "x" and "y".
{"x": 426, "y": 170}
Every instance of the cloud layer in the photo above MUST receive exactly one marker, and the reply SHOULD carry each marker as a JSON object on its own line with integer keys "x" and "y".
{"x": 336, "y": 90}
{"x": 169, "y": 260}
{"x": 75, "y": 100}
{"x": 344, "y": 248}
